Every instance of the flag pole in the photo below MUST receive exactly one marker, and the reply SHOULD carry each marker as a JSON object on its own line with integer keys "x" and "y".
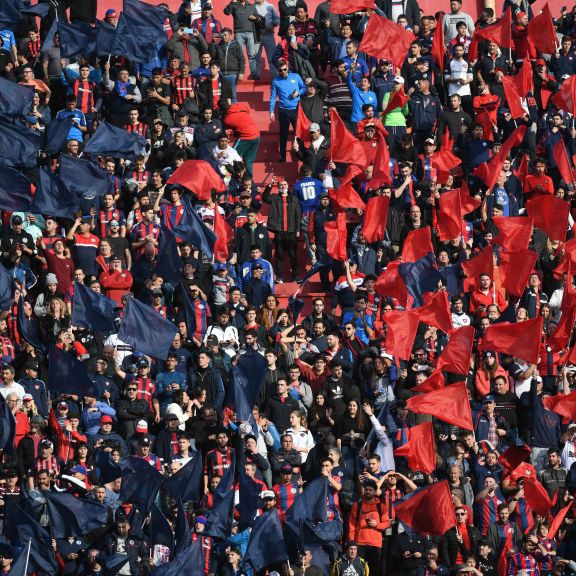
{"x": 28, "y": 556}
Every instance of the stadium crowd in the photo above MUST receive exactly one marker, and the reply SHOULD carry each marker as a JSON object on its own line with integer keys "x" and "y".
{"x": 162, "y": 411}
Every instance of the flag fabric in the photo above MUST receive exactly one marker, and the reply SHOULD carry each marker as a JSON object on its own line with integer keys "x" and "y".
{"x": 402, "y": 328}
{"x": 558, "y": 520}
{"x": 146, "y": 20}
{"x": 483, "y": 263}
{"x": 106, "y": 469}
{"x": 6, "y": 289}
{"x": 140, "y": 483}
{"x": 219, "y": 518}
{"x": 381, "y": 175}
{"x": 345, "y": 197}
{"x": 199, "y": 177}
{"x": 562, "y": 161}
{"x": 375, "y": 215}
{"x": 536, "y": 496}
{"x": 565, "y": 98}
{"x": 420, "y": 277}
{"x": 565, "y": 405}
{"x": 181, "y": 529}
{"x": 500, "y": 33}
{"x": 455, "y": 357}
{"x": 385, "y": 39}
{"x": 83, "y": 177}
{"x": 125, "y": 40}
{"x": 71, "y": 516}
{"x": 160, "y": 531}
{"x": 192, "y": 229}
{"x": 168, "y": 261}
{"x": 41, "y": 10}
{"x": 28, "y": 329}
{"x": 247, "y": 378}
{"x": 145, "y": 330}
{"x": 303, "y": 124}
{"x": 514, "y": 232}
{"x": 56, "y": 136}
{"x": 91, "y": 309}
{"x": 9, "y": 15}
{"x": 224, "y": 236}
{"x": 336, "y": 237}
{"x": 438, "y": 51}
{"x": 513, "y": 456}
{"x": 75, "y": 39}
{"x": 249, "y": 494}
{"x": 7, "y": 428}
{"x": 310, "y": 504}
{"x": 20, "y": 566}
{"x": 541, "y": 33}
{"x": 266, "y": 545}
{"x": 344, "y": 146}
{"x": 14, "y": 98}
{"x": 391, "y": 285}
{"x": 429, "y": 511}
{"x": 15, "y": 191}
{"x": 190, "y": 562}
{"x": 468, "y": 203}
{"x": 521, "y": 340}
{"x": 513, "y": 97}
{"x": 550, "y": 215}
{"x": 434, "y": 381}
{"x": 435, "y": 311}
{"x": 53, "y": 196}
{"x": 417, "y": 244}
{"x": 350, "y": 6}
{"x": 68, "y": 375}
{"x": 185, "y": 484}
{"x": 419, "y": 450}
{"x": 560, "y": 338}
{"x": 515, "y": 269}
{"x": 450, "y": 404}
{"x": 19, "y": 146}
{"x": 41, "y": 558}
{"x": 398, "y": 99}
{"x": 109, "y": 140}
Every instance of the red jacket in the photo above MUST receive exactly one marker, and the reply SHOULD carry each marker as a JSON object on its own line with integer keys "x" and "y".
{"x": 116, "y": 283}
{"x": 239, "y": 120}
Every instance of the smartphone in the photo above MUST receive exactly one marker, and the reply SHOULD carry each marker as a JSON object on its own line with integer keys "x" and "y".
{"x": 292, "y": 39}
{"x": 188, "y": 31}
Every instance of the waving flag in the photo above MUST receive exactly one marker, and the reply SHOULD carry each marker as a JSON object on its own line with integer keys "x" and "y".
{"x": 541, "y": 33}
{"x": 109, "y": 140}
{"x": 565, "y": 405}
{"x": 192, "y": 229}
{"x": 420, "y": 277}
{"x": 449, "y": 216}
{"x": 514, "y": 232}
{"x": 375, "y": 215}
{"x": 336, "y": 237}
{"x": 563, "y": 162}
{"x": 381, "y": 174}
{"x": 391, "y": 285}
{"x": 550, "y": 214}
{"x": 266, "y": 545}
{"x": 185, "y": 484}
{"x": 515, "y": 269}
{"x": 344, "y": 146}
{"x": 345, "y": 196}
{"x": 68, "y": 375}
{"x": 19, "y": 146}
{"x": 456, "y": 356}
{"x": 91, "y": 309}
{"x": 8, "y": 428}
{"x": 435, "y": 311}
{"x": 483, "y": 263}
{"x": 565, "y": 98}
{"x": 14, "y": 98}
{"x": 199, "y": 177}
{"x": 419, "y": 450}
{"x": 500, "y": 33}
{"x": 71, "y": 516}
{"x": 350, "y": 6}
{"x": 303, "y": 124}
{"x": 417, "y": 244}
{"x": 402, "y": 327}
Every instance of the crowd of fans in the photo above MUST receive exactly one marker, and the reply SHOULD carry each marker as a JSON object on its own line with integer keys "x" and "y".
{"x": 333, "y": 401}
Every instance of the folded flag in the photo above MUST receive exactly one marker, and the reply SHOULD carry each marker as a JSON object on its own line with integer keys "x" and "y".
{"x": 14, "y": 98}
{"x": 68, "y": 375}
{"x": 91, "y": 309}
{"x": 192, "y": 229}
{"x": 109, "y": 140}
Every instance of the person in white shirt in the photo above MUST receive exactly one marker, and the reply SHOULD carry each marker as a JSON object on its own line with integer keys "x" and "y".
{"x": 458, "y": 76}
{"x": 224, "y": 154}
{"x": 302, "y": 437}
{"x": 459, "y": 317}
{"x": 10, "y": 385}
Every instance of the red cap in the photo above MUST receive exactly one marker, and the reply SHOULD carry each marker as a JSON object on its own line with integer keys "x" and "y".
{"x": 540, "y": 62}
{"x": 106, "y": 419}
{"x": 520, "y": 15}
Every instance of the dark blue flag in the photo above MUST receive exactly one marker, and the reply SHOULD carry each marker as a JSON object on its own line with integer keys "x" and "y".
{"x": 192, "y": 229}
{"x": 28, "y": 329}
{"x": 136, "y": 44}
{"x": 168, "y": 261}
{"x": 315, "y": 268}
{"x": 160, "y": 532}
{"x": 84, "y": 178}
{"x": 7, "y": 427}
{"x": 104, "y": 36}
{"x": 145, "y": 330}
{"x": 190, "y": 562}
{"x": 56, "y": 135}
{"x": 70, "y": 516}
{"x": 310, "y": 505}
{"x": 295, "y": 305}
{"x": 146, "y": 20}
{"x": 420, "y": 277}
{"x": 247, "y": 378}
{"x": 76, "y": 39}
{"x": 92, "y": 310}
{"x": 53, "y": 197}
{"x": 14, "y": 98}
{"x": 113, "y": 563}
{"x": 249, "y": 493}
{"x": 109, "y": 140}
{"x": 9, "y": 15}
{"x": 15, "y": 191}
{"x": 219, "y": 518}
{"x": 181, "y": 530}
{"x": 19, "y": 145}
{"x": 140, "y": 483}
{"x": 20, "y": 566}
{"x": 266, "y": 545}
{"x": 189, "y": 312}
{"x": 68, "y": 375}
{"x": 41, "y": 555}
{"x": 6, "y": 289}
{"x": 185, "y": 484}
{"x": 106, "y": 469}
{"x": 40, "y": 9}
{"x": 227, "y": 481}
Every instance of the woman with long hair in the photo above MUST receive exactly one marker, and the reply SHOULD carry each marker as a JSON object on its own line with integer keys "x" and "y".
{"x": 269, "y": 312}
{"x": 351, "y": 432}
{"x": 487, "y": 373}
{"x": 54, "y": 321}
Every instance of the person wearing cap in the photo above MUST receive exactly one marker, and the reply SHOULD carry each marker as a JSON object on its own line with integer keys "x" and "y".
{"x": 131, "y": 412}
{"x": 85, "y": 244}
{"x": 286, "y": 490}
{"x": 225, "y": 333}
{"x": 207, "y": 25}
{"x": 15, "y": 235}
{"x": 46, "y": 459}
{"x": 117, "y": 281}
{"x": 106, "y": 439}
{"x": 425, "y": 109}
{"x": 349, "y": 562}
{"x": 491, "y": 426}
{"x": 35, "y": 387}
{"x": 314, "y": 154}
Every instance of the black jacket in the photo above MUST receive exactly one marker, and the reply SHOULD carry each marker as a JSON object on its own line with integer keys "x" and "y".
{"x": 205, "y": 94}
{"x": 128, "y": 413}
{"x": 246, "y": 237}
{"x": 230, "y": 57}
{"x": 411, "y": 9}
{"x": 451, "y": 546}
{"x": 276, "y": 216}
{"x": 279, "y": 412}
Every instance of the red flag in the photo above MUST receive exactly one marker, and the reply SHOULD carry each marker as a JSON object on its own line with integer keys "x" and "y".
{"x": 350, "y": 6}
{"x": 524, "y": 79}
{"x": 401, "y": 329}
{"x": 468, "y": 203}
{"x": 438, "y": 51}
{"x": 561, "y": 336}
{"x": 522, "y": 170}
{"x": 565, "y": 98}
{"x": 381, "y": 170}
{"x": 456, "y": 356}
{"x": 428, "y": 511}
{"x": 541, "y": 32}
{"x": 536, "y": 496}
{"x": 483, "y": 263}
{"x": 386, "y": 39}
{"x": 397, "y": 99}
{"x": 417, "y": 244}
{"x": 550, "y": 215}
{"x": 558, "y": 519}
{"x": 390, "y": 284}
{"x": 303, "y": 124}
{"x": 513, "y": 456}
{"x": 450, "y": 404}
{"x": 562, "y": 161}
{"x": 515, "y": 269}
{"x": 199, "y": 177}
{"x": 345, "y": 196}
{"x": 224, "y": 236}
{"x": 345, "y": 147}
{"x": 449, "y": 215}
{"x": 433, "y": 382}
{"x": 419, "y": 450}
{"x": 513, "y": 97}
{"x": 514, "y": 232}
{"x": 435, "y": 310}
{"x": 565, "y": 405}
{"x": 336, "y": 236}
{"x": 500, "y": 32}
{"x": 521, "y": 339}
{"x": 375, "y": 215}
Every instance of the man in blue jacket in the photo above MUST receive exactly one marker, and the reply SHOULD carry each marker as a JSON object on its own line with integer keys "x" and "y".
{"x": 288, "y": 87}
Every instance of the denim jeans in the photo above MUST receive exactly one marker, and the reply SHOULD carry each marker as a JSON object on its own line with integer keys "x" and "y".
{"x": 233, "y": 81}
{"x": 246, "y": 40}
{"x": 267, "y": 43}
